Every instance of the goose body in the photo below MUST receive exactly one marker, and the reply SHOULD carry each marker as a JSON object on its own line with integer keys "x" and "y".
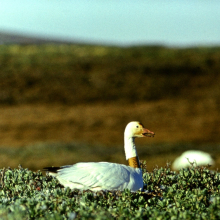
{"x": 198, "y": 157}
{"x": 103, "y": 175}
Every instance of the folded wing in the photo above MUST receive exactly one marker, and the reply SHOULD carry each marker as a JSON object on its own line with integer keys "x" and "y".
{"x": 98, "y": 176}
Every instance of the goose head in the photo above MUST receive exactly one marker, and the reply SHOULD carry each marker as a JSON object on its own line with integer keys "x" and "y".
{"x": 136, "y": 129}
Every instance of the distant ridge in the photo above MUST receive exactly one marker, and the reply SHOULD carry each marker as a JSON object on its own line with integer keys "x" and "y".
{"x": 9, "y": 38}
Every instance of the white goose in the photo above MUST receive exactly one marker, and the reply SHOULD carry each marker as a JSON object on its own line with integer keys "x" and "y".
{"x": 104, "y": 175}
{"x": 193, "y": 156}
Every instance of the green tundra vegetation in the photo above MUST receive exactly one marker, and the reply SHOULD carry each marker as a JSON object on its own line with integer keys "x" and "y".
{"x": 191, "y": 193}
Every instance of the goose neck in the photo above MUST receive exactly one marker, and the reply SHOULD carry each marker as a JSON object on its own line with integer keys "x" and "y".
{"x": 131, "y": 152}
{"x": 134, "y": 162}
{"x": 130, "y": 148}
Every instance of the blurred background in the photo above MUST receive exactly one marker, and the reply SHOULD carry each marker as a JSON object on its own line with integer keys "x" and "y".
{"x": 74, "y": 73}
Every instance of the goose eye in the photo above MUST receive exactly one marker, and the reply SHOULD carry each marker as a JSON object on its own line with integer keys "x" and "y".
{"x": 137, "y": 126}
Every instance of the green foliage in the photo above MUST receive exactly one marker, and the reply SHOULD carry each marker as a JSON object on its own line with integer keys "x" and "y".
{"x": 191, "y": 193}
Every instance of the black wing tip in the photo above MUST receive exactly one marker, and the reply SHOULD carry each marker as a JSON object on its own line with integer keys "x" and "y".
{"x": 51, "y": 169}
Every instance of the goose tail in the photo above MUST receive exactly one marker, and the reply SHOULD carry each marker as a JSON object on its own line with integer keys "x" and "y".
{"x": 52, "y": 171}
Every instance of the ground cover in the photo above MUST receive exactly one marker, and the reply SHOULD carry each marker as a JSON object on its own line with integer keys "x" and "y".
{"x": 191, "y": 193}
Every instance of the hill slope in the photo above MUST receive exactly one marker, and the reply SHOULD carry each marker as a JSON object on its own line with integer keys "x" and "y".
{"x": 72, "y": 93}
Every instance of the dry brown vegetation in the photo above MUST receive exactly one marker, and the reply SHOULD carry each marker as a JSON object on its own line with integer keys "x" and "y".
{"x": 83, "y": 96}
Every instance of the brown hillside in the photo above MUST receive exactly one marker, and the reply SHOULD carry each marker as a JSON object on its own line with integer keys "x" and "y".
{"x": 87, "y": 94}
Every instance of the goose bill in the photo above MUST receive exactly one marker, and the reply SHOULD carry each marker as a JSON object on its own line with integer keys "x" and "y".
{"x": 147, "y": 133}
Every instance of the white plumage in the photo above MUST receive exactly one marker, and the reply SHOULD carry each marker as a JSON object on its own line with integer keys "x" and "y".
{"x": 198, "y": 157}
{"x": 104, "y": 175}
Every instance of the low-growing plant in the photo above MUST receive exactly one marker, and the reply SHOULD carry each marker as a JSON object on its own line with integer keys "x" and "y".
{"x": 191, "y": 193}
